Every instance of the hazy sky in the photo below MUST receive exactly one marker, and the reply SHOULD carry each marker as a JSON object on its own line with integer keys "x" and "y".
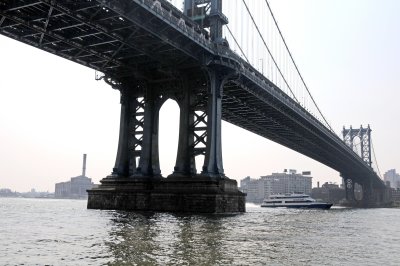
{"x": 52, "y": 110}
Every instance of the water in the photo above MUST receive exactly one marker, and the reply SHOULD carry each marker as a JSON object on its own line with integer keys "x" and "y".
{"x": 64, "y": 232}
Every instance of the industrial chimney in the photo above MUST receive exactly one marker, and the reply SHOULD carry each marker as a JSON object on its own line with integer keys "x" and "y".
{"x": 84, "y": 165}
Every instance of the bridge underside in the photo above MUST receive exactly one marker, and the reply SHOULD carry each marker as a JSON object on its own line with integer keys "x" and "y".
{"x": 154, "y": 52}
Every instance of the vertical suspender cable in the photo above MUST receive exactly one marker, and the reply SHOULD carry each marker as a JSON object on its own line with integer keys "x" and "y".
{"x": 297, "y": 69}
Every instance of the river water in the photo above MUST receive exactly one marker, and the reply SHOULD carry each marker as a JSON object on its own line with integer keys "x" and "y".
{"x": 64, "y": 232}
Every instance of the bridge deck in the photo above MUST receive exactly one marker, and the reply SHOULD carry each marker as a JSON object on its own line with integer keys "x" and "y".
{"x": 139, "y": 39}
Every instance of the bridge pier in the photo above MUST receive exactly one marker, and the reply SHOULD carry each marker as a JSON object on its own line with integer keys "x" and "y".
{"x": 370, "y": 197}
{"x": 133, "y": 186}
{"x": 349, "y": 188}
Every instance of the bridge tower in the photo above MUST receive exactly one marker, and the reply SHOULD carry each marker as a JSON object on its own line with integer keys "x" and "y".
{"x": 364, "y": 134}
{"x": 360, "y": 191}
{"x": 208, "y": 13}
{"x": 136, "y": 182}
{"x": 355, "y": 192}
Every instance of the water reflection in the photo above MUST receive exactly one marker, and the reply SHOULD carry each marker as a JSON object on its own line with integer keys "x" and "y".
{"x": 200, "y": 240}
{"x": 167, "y": 239}
{"x": 131, "y": 239}
{"x": 64, "y": 232}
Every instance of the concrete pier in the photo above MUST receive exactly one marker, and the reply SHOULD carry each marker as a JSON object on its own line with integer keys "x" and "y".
{"x": 197, "y": 195}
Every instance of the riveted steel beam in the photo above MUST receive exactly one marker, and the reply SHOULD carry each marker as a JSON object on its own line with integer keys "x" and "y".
{"x": 18, "y": 6}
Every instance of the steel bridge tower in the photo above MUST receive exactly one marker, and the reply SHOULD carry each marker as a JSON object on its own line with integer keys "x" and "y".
{"x": 360, "y": 191}
{"x": 136, "y": 182}
{"x": 364, "y": 134}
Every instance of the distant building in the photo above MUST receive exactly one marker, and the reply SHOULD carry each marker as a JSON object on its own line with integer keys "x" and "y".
{"x": 253, "y": 188}
{"x": 393, "y": 178}
{"x": 36, "y": 194}
{"x": 276, "y": 183}
{"x": 287, "y": 182}
{"x": 76, "y": 187}
{"x": 396, "y": 196}
{"x": 329, "y": 193}
{"x": 6, "y": 192}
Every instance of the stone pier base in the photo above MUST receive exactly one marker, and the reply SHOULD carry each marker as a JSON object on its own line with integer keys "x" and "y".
{"x": 195, "y": 195}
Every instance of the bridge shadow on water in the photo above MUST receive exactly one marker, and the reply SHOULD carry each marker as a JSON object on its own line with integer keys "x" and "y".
{"x": 260, "y": 236}
{"x": 154, "y": 238}
{"x": 150, "y": 238}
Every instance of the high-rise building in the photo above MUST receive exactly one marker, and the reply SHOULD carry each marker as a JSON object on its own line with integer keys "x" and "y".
{"x": 287, "y": 182}
{"x": 76, "y": 187}
{"x": 392, "y": 177}
{"x": 277, "y": 183}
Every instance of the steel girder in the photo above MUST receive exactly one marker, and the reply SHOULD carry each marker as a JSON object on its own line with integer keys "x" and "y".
{"x": 128, "y": 41}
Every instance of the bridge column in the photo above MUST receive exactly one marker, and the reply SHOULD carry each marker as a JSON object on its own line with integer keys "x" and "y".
{"x": 185, "y": 165}
{"x": 130, "y": 134}
{"x": 149, "y": 165}
{"x": 369, "y": 197}
{"x": 349, "y": 186}
{"x": 213, "y": 157}
{"x": 121, "y": 167}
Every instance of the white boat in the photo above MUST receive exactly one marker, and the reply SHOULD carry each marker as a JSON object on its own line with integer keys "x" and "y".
{"x": 294, "y": 201}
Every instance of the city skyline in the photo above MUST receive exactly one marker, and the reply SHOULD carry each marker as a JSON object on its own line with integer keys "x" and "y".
{"x": 52, "y": 110}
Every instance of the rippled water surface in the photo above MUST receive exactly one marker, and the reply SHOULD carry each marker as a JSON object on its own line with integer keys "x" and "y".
{"x": 64, "y": 232}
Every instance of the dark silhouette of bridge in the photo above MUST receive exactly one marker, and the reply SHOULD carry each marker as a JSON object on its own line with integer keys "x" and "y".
{"x": 151, "y": 51}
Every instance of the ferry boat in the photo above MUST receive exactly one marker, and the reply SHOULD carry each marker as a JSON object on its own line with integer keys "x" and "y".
{"x": 294, "y": 201}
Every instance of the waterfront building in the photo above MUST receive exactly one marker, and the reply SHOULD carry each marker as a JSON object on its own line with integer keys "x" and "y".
{"x": 6, "y": 192}
{"x": 287, "y": 182}
{"x": 76, "y": 187}
{"x": 252, "y": 188}
{"x": 277, "y": 183}
{"x": 396, "y": 197}
{"x": 393, "y": 178}
{"x": 329, "y": 192}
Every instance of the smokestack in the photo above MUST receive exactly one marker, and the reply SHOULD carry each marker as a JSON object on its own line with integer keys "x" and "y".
{"x": 318, "y": 184}
{"x": 84, "y": 165}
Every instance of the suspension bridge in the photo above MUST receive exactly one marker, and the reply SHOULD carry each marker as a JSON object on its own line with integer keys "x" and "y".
{"x": 239, "y": 70}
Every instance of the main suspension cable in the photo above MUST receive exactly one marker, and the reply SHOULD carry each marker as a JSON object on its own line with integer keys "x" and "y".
{"x": 376, "y": 161}
{"x": 295, "y": 65}
{"x": 266, "y": 46}
{"x": 240, "y": 48}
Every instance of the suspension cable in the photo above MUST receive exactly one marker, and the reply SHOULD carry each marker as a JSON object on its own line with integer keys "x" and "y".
{"x": 376, "y": 161}
{"x": 295, "y": 65}
{"x": 266, "y": 46}
{"x": 240, "y": 48}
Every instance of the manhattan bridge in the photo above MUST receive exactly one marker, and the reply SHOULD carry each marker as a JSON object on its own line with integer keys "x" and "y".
{"x": 219, "y": 60}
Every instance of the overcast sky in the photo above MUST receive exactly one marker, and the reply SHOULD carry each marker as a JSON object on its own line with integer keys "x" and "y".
{"x": 52, "y": 110}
